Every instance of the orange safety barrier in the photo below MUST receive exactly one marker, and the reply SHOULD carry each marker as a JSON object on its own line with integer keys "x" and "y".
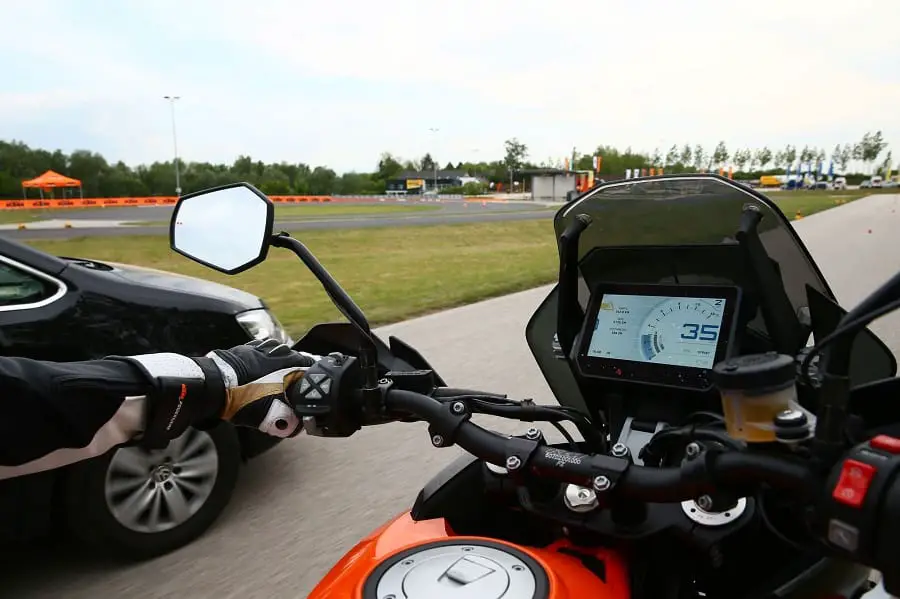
{"x": 300, "y": 199}
{"x": 149, "y": 201}
{"x": 169, "y": 200}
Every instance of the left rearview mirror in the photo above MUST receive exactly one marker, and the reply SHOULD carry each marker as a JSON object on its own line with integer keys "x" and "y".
{"x": 226, "y": 228}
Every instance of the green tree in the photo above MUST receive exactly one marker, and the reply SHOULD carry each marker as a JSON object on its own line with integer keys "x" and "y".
{"x": 699, "y": 158}
{"x": 780, "y": 161}
{"x": 741, "y": 158}
{"x": 871, "y": 146}
{"x": 763, "y": 157}
{"x": 672, "y": 155}
{"x": 388, "y": 168}
{"x": 789, "y": 155}
{"x": 843, "y": 159}
{"x": 322, "y": 181}
{"x": 807, "y": 155}
{"x": 516, "y": 152}
{"x": 687, "y": 155}
{"x": 720, "y": 154}
{"x": 427, "y": 163}
{"x": 888, "y": 163}
{"x": 836, "y": 154}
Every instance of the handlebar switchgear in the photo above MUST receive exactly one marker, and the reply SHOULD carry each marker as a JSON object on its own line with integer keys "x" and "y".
{"x": 859, "y": 514}
{"x": 325, "y": 399}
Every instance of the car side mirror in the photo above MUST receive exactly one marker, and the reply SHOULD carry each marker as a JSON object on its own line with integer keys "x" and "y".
{"x": 226, "y": 228}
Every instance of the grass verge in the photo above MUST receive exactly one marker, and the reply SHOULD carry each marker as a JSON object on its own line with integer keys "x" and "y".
{"x": 810, "y": 202}
{"x": 393, "y": 273}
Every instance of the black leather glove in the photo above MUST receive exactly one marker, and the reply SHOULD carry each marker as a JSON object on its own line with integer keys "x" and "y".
{"x": 256, "y": 377}
{"x": 244, "y": 385}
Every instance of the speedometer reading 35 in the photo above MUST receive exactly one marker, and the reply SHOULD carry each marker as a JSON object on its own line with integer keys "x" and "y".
{"x": 682, "y": 331}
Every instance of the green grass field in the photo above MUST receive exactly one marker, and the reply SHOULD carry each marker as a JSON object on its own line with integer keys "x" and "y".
{"x": 392, "y": 273}
{"x": 810, "y": 202}
{"x": 395, "y": 273}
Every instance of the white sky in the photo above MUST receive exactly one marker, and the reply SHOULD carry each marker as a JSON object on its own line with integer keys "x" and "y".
{"x": 338, "y": 82}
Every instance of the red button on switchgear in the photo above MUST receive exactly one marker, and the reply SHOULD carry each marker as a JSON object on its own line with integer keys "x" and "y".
{"x": 886, "y": 443}
{"x": 854, "y": 483}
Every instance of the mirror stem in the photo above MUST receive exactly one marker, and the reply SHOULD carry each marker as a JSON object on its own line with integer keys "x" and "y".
{"x": 332, "y": 287}
{"x": 343, "y": 302}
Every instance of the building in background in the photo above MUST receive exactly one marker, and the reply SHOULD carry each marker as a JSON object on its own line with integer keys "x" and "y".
{"x": 417, "y": 182}
{"x": 551, "y": 184}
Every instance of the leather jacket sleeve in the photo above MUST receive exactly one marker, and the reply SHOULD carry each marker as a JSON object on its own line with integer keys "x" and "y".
{"x": 53, "y": 414}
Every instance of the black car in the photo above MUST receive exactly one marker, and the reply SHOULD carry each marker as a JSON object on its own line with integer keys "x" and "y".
{"x": 68, "y": 309}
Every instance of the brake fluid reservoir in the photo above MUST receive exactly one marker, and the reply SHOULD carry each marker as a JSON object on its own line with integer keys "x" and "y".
{"x": 755, "y": 389}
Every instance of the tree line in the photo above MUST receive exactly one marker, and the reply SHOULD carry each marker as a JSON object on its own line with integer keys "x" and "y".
{"x": 101, "y": 178}
{"x": 746, "y": 162}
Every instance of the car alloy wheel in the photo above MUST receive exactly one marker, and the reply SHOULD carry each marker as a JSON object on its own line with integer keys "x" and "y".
{"x": 155, "y": 491}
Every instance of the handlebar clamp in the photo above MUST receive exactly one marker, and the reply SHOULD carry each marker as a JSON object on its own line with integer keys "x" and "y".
{"x": 518, "y": 453}
{"x": 444, "y": 431}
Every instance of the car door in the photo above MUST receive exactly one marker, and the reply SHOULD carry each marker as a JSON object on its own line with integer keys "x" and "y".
{"x": 32, "y": 302}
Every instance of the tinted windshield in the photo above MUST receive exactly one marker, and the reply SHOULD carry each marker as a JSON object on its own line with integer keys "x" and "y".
{"x": 677, "y": 210}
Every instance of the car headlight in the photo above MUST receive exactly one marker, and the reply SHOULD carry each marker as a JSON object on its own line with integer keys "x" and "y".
{"x": 262, "y": 324}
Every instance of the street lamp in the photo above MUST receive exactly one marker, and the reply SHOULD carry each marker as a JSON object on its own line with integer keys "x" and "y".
{"x": 433, "y": 161}
{"x": 171, "y": 100}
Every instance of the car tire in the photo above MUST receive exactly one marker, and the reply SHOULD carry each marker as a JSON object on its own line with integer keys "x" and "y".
{"x": 97, "y": 494}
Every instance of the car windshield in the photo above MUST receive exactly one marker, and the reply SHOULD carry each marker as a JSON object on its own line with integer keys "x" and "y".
{"x": 682, "y": 210}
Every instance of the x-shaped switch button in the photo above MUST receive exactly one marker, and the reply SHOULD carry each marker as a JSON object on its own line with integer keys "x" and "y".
{"x": 315, "y": 386}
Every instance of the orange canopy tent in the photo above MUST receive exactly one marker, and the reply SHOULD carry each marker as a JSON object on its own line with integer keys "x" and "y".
{"x": 51, "y": 180}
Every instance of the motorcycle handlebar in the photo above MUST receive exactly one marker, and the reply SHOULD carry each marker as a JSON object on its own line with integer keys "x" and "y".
{"x": 602, "y": 472}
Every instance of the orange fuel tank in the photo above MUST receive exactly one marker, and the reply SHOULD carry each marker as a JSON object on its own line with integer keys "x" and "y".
{"x": 405, "y": 559}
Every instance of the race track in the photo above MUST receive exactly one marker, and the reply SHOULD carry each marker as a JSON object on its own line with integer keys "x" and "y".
{"x": 298, "y": 508}
{"x": 102, "y": 222}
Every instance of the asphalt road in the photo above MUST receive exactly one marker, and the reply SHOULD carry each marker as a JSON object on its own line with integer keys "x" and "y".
{"x": 300, "y": 507}
{"x": 449, "y": 212}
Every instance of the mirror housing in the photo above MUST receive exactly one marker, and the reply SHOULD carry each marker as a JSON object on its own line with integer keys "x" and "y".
{"x": 229, "y": 229}
{"x": 226, "y": 228}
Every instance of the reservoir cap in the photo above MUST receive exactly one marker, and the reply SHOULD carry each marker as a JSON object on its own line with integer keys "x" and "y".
{"x": 755, "y": 372}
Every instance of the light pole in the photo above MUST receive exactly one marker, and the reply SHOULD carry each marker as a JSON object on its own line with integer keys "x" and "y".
{"x": 433, "y": 161}
{"x": 171, "y": 100}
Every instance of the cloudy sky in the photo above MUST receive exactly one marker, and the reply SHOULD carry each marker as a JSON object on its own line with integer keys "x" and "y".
{"x": 337, "y": 82}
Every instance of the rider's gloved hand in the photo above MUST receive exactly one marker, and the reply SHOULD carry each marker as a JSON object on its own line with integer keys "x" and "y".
{"x": 245, "y": 385}
{"x": 257, "y": 376}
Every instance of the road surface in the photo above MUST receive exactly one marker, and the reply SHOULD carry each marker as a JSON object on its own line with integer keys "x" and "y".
{"x": 111, "y": 221}
{"x": 300, "y": 507}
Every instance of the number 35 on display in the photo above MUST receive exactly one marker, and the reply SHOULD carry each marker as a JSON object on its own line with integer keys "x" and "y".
{"x": 706, "y": 332}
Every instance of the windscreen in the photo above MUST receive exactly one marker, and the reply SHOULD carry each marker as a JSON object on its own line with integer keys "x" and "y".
{"x": 681, "y": 210}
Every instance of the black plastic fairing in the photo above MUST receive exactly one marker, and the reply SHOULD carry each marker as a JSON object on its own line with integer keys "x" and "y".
{"x": 410, "y": 355}
{"x": 870, "y": 359}
{"x": 441, "y": 494}
{"x": 343, "y": 337}
{"x": 557, "y": 371}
